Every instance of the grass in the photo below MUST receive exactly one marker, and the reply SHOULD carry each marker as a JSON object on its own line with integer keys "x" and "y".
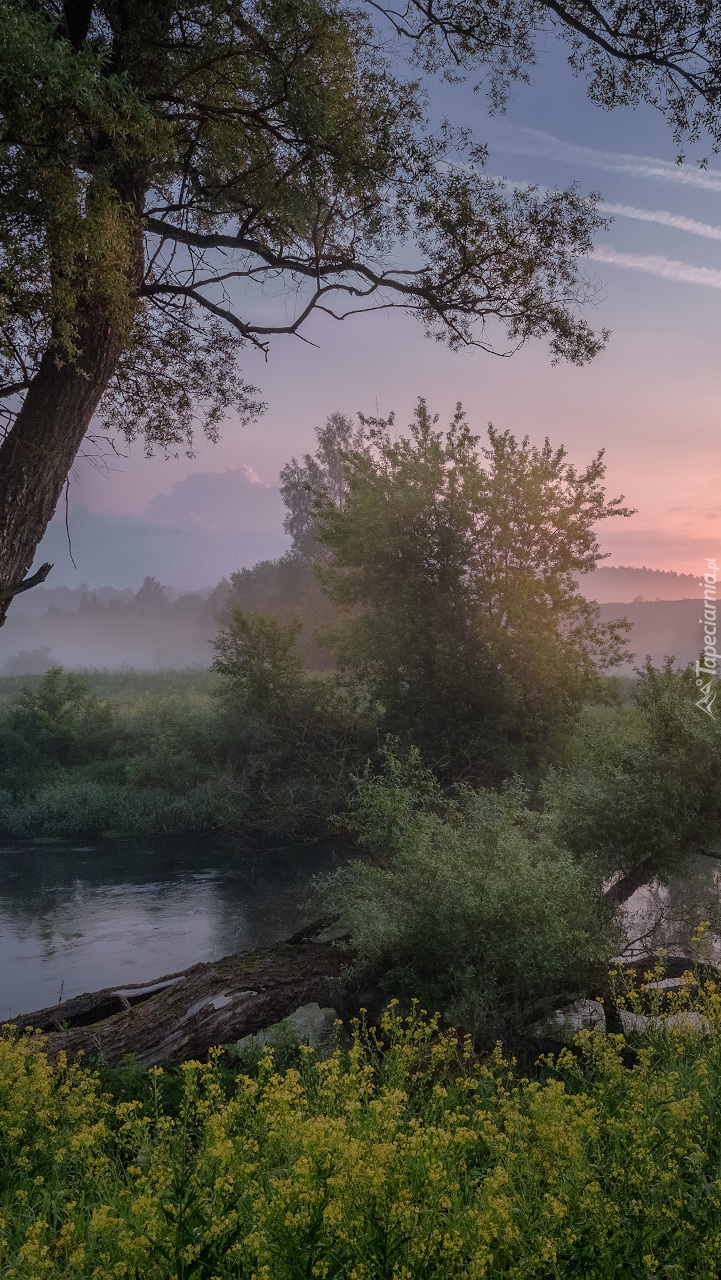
{"x": 128, "y": 686}
{"x": 77, "y": 808}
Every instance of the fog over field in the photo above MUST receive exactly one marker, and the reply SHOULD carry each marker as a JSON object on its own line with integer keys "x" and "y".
{"x": 158, "y": 627}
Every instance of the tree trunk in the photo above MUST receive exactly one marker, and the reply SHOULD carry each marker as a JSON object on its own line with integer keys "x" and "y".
{"x": 627, "y": 884}
{"x": 37, "y": 454}
{"x": 184, "y": 1014}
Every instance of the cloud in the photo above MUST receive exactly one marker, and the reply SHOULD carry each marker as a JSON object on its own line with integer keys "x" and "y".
{"x": 656, "y": 265}
{"x": 209, "y": 524}
{"x": 235, "y": 500}
{"x": 665, "y": 219}
{"x": 534, "y": 142}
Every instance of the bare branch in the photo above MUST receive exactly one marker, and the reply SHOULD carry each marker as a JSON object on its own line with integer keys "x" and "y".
{"x": 7, "y": 593}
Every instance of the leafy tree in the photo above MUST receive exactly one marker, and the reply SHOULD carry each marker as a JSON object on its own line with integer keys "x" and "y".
{"x": 151, "y": 597}
{"x": 641, "y": 790}
{"x": 162, "y": 162}
{"x": 665, "y": 54}
{"x": 457, "y": 571}
{"x": 291, "y": 742}
{"x": 256, "y": 654}
{"x": 320, "y": 477}
{"x": 287, "y": 587}
{"x": 29, "y": 662}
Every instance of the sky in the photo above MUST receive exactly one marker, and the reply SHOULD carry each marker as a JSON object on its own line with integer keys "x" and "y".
{"x": 652, "y": 399}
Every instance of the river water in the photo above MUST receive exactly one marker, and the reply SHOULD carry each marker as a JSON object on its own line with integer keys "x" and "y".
{"x": 79, "y": 917}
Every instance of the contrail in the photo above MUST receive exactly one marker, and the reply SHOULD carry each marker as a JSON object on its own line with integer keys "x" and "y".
{"x": 708, "y": 230}
{"x": 655, "y": 265}
{"x": 534, "y": 142}
{"x": 662, "y": 216}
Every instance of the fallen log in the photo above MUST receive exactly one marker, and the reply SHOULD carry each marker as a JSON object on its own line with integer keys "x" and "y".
{"x": 183, "y": 1015}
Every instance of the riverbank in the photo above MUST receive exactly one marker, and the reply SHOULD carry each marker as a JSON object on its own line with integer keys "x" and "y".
{"x": 78, "y": 916}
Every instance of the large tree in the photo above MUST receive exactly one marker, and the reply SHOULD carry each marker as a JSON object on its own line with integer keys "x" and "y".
{"x": 167, "y": 167}
{"x": 456, "y": 570}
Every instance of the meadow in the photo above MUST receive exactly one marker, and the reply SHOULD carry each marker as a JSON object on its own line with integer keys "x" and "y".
{"x": 407, "y": 1155}
{"x": 506, "y": 794}
{"x": 105, "y": 752}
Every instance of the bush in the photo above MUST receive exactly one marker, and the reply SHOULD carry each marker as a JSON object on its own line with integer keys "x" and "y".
{"x": 29, "y": 662}
{"x": 455, "y": 567}
{"x": 77, "y": 764}
{"x": 643, "y": 783}
{"x": 467, "y": 904}
{"x": 53, "y": 725}
{"x": 290, "y": 741}
{"x": 418, "y": 1161}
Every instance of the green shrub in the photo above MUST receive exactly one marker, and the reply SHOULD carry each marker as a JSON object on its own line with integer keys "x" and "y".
{"x": 290, "y": 741}
{"x": 55, "y": 724}
{"x": 645, "y": 782}
{"x": 468, "y": 904}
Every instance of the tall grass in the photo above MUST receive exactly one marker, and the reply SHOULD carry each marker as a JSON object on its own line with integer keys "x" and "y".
{"x": 128, "y": 685}
{"x": 75, "y": 808}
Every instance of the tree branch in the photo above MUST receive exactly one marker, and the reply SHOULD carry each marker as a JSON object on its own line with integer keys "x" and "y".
{"x": 7, "y": 593}
{"x": 634, "y": 879}
{"x": 615, "y": 51}
{"x": 14, "y": 389}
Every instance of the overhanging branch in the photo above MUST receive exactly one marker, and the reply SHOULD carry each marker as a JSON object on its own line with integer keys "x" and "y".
{"x": 615, "y": 50}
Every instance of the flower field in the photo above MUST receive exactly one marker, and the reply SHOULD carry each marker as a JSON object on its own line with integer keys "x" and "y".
{"x": 403, "y": 1157}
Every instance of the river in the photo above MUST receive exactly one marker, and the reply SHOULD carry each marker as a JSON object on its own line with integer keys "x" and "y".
{"x": 78, "y": 917}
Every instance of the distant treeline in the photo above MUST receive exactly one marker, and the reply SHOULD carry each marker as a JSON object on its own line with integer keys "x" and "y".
{"x": 157, "y": 628}
{"x": 616, "y": 584}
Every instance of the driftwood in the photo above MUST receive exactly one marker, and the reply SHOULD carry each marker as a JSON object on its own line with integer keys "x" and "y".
{"x": 184, "y": 1014}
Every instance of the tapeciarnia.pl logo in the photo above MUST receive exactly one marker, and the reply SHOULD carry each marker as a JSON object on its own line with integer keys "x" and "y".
{"x": 706, "y": 668}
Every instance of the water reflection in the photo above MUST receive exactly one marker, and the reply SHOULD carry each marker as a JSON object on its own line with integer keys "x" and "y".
{"x": 78, "y": 918}
{"x": 667, "y": 915}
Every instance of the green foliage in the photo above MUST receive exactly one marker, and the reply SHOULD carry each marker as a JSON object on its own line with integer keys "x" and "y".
{"x": 320, "y": 478}
{"x": 457, "y": 571}
{"x": 666, "y": 55}
{"x": 467, "y": 904}
{"x": 644, "y": 782}
{"x": 256, "y": 654}
{"x": 291, "y": 741}
{"x": 75, "y": 807}
{"x": 287, "y": 587}
{"x": 76, "y": 763}
{"x": 261, "y": 745}
{"x": 272, "y": 141}
{"x": 405, "y": 1158}
{"x": 52, "y": 726}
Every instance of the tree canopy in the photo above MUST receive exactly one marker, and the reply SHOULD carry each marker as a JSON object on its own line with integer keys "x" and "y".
{"x": 457, "y": 570}
{"x": 666, "y": 54}
{"x": 165, "y": 167}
